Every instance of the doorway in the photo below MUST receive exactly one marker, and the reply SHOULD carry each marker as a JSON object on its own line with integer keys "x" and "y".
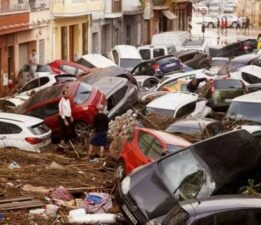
{"x": 10, "y": 60}
{"x": 71, "y": 42}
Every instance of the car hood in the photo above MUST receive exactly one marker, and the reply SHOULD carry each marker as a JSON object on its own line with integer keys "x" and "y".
{"x": 158, "y": 200}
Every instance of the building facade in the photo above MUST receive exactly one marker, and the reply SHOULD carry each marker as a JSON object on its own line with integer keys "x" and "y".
{"x": 23, "y": 27}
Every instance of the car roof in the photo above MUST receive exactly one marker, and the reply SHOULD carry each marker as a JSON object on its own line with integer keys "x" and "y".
{"x": 194, "y": 123}
{"x": 128, "y": 51}
{"x": 109, "y": 85}
{"x": 172, "y": 101}
{"x": 254, "y": 97}
{"x": 243, "y": 58}
{"x": 220, "y": 203}
{"x": 98, "y": 60}
{"x": 168, "y": 138}
{"x": 19, "y": 119}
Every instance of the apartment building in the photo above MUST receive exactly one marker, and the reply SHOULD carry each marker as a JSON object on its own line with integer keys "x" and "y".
{"x": 24, "y": 25}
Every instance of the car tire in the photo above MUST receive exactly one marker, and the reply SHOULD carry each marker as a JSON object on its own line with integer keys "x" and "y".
{"x": 81, "y": 129}
{"x": 210, "y": 25}
{"x": 234, "y": 24}
{"x": 204, "y": 65}
{"x": 121, "y": 170}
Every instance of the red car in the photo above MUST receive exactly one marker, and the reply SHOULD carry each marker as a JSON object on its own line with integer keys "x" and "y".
{"x": 146, "y": 146}
{"x": 62, "y": 66}
{"x": 83, "y": 97}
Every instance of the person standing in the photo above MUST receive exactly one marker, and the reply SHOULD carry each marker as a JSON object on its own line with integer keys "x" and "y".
{"x": 222, "y": 25}
{"x": 238, "y": 24}
{"x": 99, "y": 133}
{"x": 65, "y": 118}
{"x": 33, "y": 61}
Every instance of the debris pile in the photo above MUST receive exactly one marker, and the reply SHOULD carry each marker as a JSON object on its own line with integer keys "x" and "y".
{"x": 120, "y": 129}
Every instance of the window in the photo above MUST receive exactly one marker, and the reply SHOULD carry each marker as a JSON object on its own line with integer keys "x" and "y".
{"x": 145, "y": 141}
{"x": 157, "y": 52}
{"x": 38, "y": 112}
{"x": 251, "y": 79}
{"x": 9, "y": 128}
{"x": 39, "y": 129}
{"x": 83, "y": 93}
{"x": 227, "y": 84}
{"x": 64, "y": 42}
{"x": 51, "y": 109}
{"x": 69, "y": 69}
{"x": 186, "y": 57}
{"x": 145, "y": 54}
{"x": 186, "y": 110}
{"x": 155, "y": 151}
{"x": 227, "y": 218}
{"x": 85, "y": 38}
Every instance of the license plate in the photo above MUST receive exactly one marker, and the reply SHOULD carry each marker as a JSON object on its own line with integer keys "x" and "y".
{"x": 128, "y": 213}
{"x": 170, "y": 65}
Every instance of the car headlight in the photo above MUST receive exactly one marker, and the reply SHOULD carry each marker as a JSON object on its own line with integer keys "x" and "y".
{"x": 125, "y": 185}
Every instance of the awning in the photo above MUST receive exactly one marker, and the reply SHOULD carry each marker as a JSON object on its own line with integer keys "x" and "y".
{"x": 170, "y": 15}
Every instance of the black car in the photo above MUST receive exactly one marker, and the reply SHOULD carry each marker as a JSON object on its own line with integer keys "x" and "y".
{"x": 158, "y": 67}
{"x": 235, "y": 49}
{"x": 219, "y": 165}
{"x": 195, "y": 129}
{"x": 194, "y": 58}
{"x": 216, "y": 210}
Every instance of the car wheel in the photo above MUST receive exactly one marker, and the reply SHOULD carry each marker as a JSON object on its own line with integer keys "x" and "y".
{"x": 81, "y": 129}
{"x": 205, "y": 65}
{"x": 210, "y": 25}
{"x": 234, "y": 25}
{"x": 120, "y": 171}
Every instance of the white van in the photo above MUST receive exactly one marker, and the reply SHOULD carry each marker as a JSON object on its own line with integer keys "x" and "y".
{"x": 152, "y": 51}
{"x": 125, "y": 56}
{"x": 170, "y": 39}
{"x": 179, "y": 40}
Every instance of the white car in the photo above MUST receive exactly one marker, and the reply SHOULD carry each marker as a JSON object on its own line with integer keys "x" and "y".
{"x": 250, "y": 74}
{"x": 180, "y": 105}
{"x": 246, "y": 107}
{"x": 125, "y": 56}
{"x": 40, "y": 83}
{"x": 95, "y": 61}
{"x": 23, "y": 132}
{"x": 231, "y": 20}
{"x": 8, "y": 103}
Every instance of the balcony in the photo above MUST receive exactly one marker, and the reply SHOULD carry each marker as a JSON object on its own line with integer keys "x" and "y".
{"x": 131, "y": 6}
{"x": 70, "y": 8}
{"x": 18, "y": 6}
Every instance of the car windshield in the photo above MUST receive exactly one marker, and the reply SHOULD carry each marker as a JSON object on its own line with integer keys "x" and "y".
{"x": 245, "y": 111}
{"x": 188, "y": 179}
{"x": 160, "y": 111}
{"x": 235, "y": 66}
{"x": 43, "y": 68}
{"x": 129, "y": 63}
{"x": 83, "y": 93}
{"x": 39, "y": 129}
{"x": 227, "y": 84}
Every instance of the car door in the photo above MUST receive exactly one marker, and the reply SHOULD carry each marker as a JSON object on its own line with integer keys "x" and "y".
{"x": 3, "y": 132}
{"x": 11, "y": 137}
{"x": 49, "y": 113}
{"x": 235, "y": 217}
{"x": 139, "y": 148}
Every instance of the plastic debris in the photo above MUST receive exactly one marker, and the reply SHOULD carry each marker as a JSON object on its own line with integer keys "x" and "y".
{"x": 61, "y": 193}
{"x": 37, "y": 211}
{"x": 14, "y": 165}
{"x": 51, "y": 210}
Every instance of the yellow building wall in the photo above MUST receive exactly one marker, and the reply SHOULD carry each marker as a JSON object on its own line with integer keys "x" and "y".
{"x": 57, "y": 25}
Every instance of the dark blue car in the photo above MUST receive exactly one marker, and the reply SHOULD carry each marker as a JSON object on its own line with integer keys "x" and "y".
{"x": 159, "y": 66}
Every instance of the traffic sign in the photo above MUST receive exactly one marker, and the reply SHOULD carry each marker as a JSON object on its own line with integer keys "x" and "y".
{"x": 204, "y": 11}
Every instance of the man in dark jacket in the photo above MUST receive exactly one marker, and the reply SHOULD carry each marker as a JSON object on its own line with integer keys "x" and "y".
{"x": 192, "y": 86}
{"x": 100, "y": 129}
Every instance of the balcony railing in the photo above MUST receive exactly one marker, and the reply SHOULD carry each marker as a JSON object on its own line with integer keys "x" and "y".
{"x": 24, "y": 5}
{"x": 158, "y": 2}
